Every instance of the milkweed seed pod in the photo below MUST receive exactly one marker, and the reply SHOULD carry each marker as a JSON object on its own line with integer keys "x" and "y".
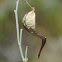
{"x": 29, "y": 24}
{"x": 29, "y": 19}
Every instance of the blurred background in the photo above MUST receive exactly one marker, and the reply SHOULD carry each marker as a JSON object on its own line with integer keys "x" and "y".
{"x": 48, "y": 23}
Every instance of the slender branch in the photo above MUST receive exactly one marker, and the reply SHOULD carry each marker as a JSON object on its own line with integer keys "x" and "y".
{"x": 28, "y": 4}
{"x": 19, "y": 38}
{"x": 17, "y": 28}
{"x": 20, "y": 47}
{"x": 26, "y": 52}
{"x": 17, "y": 25}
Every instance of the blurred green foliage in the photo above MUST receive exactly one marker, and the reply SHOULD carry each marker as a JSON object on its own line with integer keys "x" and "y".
{"x": 3, "y": 58}
{"x": 7, "y": 25}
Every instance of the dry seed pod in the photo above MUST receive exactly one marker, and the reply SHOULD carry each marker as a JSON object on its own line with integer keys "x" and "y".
{"x": 29, "y": 19}
{"x": 29, "y": 24}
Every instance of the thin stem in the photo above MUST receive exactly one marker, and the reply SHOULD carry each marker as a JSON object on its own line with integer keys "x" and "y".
{"x": 26, "y": 52}
{"x": 20, "y": 47}
{"x": 19, "y": 40}
{"x": 17, "y": 28}
{"x": 28, "y": 4}
{"x": 17, "y": 25}
{"x": 17, "y": 5}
